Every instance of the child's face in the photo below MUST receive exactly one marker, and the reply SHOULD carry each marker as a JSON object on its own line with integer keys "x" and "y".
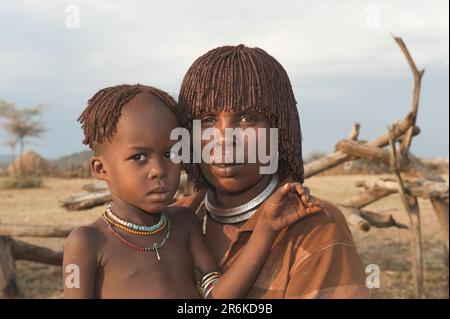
{"x": 137, "y": 160}
{"x": 238, "y": 177}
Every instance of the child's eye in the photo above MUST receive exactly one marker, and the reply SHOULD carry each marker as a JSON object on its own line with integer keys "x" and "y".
{"x": 169, "y": 155}
{"x": 138, "y": 157}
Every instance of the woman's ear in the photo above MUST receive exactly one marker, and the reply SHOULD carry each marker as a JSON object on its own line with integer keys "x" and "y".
{"x": 98, "y": 168}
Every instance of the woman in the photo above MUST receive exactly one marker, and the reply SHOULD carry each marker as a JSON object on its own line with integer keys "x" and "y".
{"x": 236, "y": 87}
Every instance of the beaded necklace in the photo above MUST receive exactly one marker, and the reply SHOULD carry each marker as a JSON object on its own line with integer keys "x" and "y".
{"x": 132, "y": 231}
{"x": 131, "y": 226}
{"x": 155, "y": 247}
{"x": 165, "y": 220}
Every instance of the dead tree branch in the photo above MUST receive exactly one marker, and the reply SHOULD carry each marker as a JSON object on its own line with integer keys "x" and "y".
{"x": 25, "y": 251}
{"x": 411, "y": 206}
{"x": 34, "y": 231}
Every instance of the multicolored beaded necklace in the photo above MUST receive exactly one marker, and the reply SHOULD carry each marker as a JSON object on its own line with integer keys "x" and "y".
{"x": 134, "y": 227}
{"x": 165, "y": 220}
{"x": 132, "y": 231}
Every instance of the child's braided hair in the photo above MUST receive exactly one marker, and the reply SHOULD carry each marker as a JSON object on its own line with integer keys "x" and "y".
{"x": 100, "y": 117}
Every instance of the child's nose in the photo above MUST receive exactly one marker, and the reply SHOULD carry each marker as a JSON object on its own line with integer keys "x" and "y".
{"x": 157, "y": 170}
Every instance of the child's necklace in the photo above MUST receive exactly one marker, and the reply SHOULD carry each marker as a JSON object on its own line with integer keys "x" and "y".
{"x": 113, "y": 220}
{"x": 132, "y": 231}
{"x": 134, "y": 228}
{"x": 155, "y": 247}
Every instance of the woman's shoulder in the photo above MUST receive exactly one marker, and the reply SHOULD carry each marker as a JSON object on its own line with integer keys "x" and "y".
{"x": 324, "y": 227}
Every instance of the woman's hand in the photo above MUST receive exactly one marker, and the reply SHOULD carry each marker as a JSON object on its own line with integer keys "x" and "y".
{"x": 286, "y": 206}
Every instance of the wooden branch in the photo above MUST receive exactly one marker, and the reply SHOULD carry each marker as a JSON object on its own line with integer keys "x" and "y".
{"x": 364, "y": 220}
{"x": 353, "y": 217}
{"x": 416, "y": 187}
{"x": 381, "y": 220}
{"x": 355, "y": 132}
{"x": 406, "y": 143}
{"x": 365, "y": 151}
{"x": 324, "y": 163}
{"x": 411, "y": 206}
{"x": 412, "y": 167}
{"x": 25, "y": 251}
{"x": 96, "y": 187}
{"x": 400, "y": 128}
{"x": 86, "y": 200}
{"x": 361, "y": 200}
{"x": 417, "y": 169}
{"x": 34, "y": 231}
{"x": 440, "y": 207}
{"x": 332, "y": 160}
{"x": 8, "y": 280}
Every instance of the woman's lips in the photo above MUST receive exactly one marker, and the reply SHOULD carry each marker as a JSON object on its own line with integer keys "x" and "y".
{"x": 226, "y": 170}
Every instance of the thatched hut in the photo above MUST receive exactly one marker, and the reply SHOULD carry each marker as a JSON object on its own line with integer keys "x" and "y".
{"x": 29, "y": 163}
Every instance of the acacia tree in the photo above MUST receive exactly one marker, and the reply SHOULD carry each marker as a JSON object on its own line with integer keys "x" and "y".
{"x": 21, "y": 124}
{"x": 12, "y": 144}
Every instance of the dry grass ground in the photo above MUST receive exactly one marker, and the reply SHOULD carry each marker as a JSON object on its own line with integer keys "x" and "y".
{"x": 388, "y": 248}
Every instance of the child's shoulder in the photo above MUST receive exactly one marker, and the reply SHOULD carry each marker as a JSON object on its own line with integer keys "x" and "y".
{"x": 87, "y": 237}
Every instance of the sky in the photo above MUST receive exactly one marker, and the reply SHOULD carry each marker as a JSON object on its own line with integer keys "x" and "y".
{"x": 341, "y": 58}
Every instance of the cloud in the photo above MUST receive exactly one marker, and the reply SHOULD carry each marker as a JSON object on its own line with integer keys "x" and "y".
{"x": 322, "y": 44}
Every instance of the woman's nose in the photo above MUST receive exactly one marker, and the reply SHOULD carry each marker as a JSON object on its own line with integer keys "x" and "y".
{"x": 226, "y": 137}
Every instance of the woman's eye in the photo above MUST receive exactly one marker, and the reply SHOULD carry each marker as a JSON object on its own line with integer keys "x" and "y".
{"x": 138, "y": 157}
{"x": 208, "y": 119}
{"x": 247, "y": 118}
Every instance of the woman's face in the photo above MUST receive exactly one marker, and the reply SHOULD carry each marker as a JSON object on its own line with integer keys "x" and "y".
{"x": 239, "y": 175}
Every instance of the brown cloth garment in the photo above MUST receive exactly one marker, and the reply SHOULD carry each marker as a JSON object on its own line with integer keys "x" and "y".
{"x": 315, "y": 258}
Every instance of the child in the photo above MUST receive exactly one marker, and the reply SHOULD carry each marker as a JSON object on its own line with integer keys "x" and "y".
{"x": 140, "y": 247}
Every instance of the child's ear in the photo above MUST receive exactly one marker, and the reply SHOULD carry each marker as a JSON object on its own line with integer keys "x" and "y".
{"x": 98, "y": 168}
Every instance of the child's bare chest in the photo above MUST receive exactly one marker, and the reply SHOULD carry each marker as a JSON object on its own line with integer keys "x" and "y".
{"x": 126, "y": 272}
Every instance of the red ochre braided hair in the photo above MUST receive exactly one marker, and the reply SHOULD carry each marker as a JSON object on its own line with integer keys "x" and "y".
{"x": 240, "y": 78}
{"x": 99, "y": 119}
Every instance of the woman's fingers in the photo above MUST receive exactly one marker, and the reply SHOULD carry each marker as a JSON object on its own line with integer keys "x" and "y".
{"x": 313, "y": 209}
{"x": 303, "y": 192}
{"x": 311, "y": 204}
{"x": 306, "y": 197}
{"x": 294, "y": 212}
{"x": 280, "y": 194}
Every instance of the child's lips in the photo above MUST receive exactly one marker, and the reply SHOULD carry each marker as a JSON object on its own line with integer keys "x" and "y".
{"x": 159, "y": 197}
{"x": 158, "y": 190}
{"x": 159, "y": 193}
